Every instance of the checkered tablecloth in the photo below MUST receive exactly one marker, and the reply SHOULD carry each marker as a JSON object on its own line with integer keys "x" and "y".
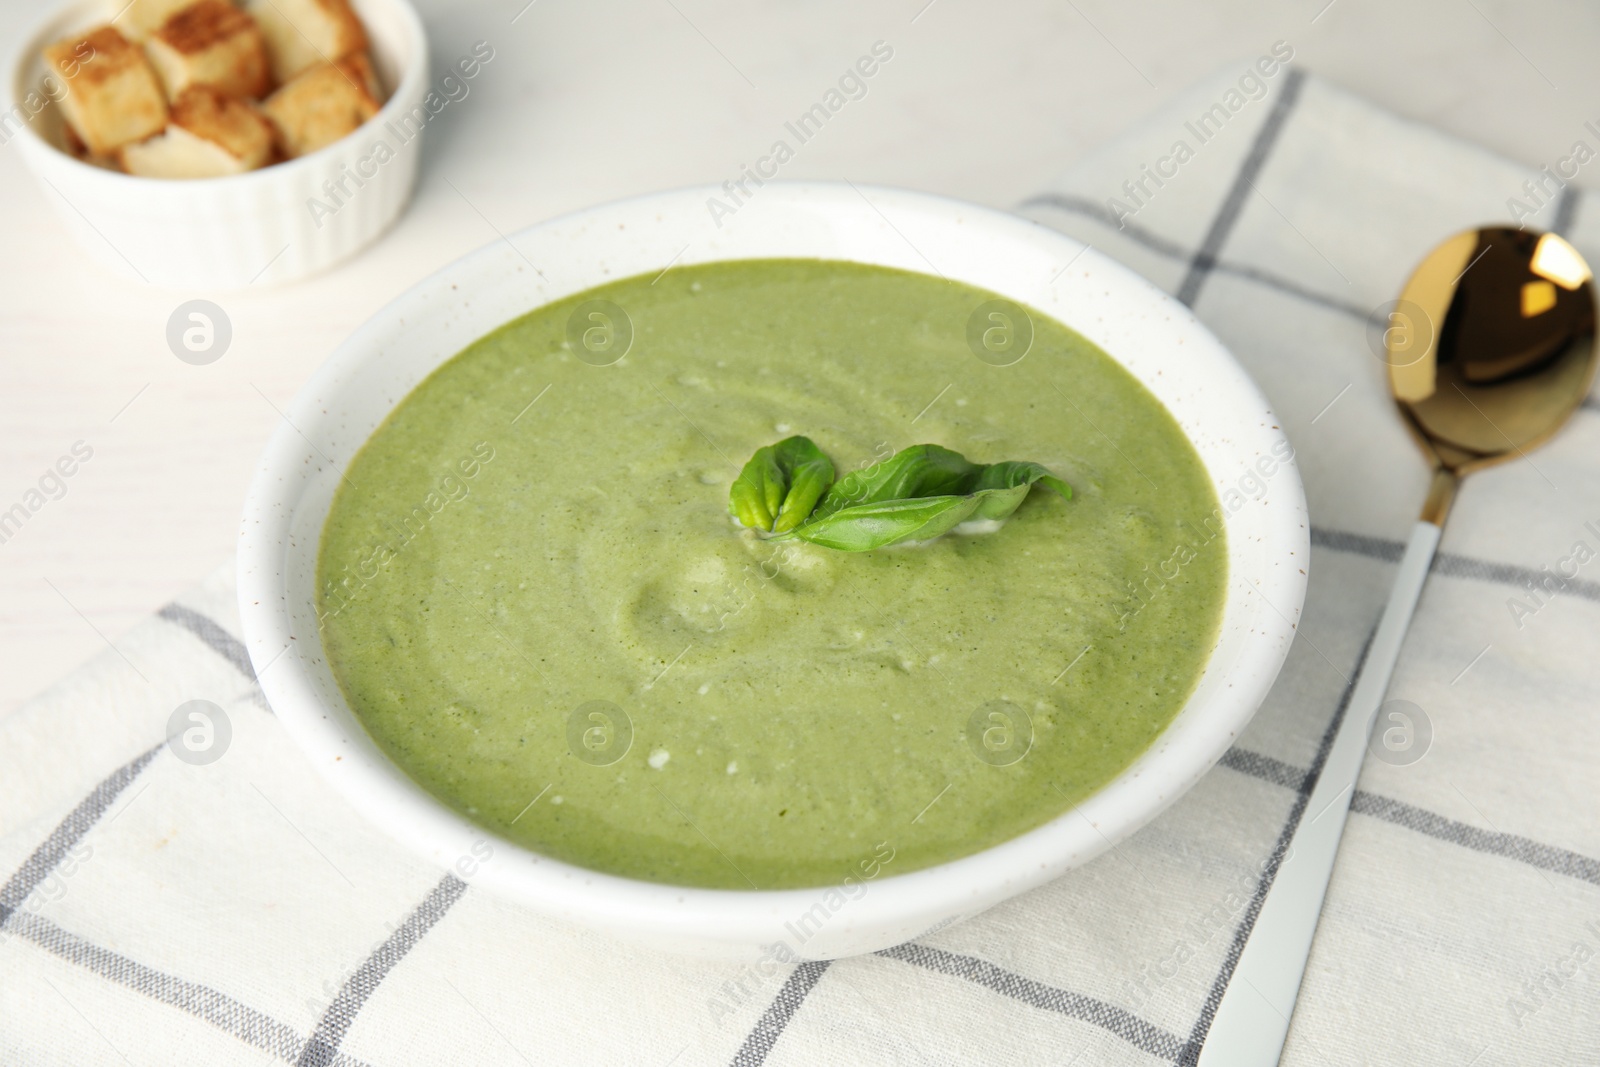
{"x": 160, "y": 910}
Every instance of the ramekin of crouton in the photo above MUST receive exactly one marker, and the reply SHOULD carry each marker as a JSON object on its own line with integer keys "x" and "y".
{"x": 204, "y": 144}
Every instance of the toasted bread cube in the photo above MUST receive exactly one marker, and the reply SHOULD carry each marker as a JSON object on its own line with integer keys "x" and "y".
{"x": 75, "y": 146}
{"x": 302, "y": 33}
{"x": 112, "y": 94}
{"x": 80, "y": 151}
{"x": 322, "y": 105}
{"x": 359, "y": 67}
{"x": 141, "y": 18}
{"x": 210, "y": 136}
{"x": 210, "y": 43}
{"x": 234, "y": 124}
{"x": 177, "y": 153}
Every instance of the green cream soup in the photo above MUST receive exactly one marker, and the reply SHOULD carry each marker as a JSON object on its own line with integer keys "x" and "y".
{"x": 534, "y": 598}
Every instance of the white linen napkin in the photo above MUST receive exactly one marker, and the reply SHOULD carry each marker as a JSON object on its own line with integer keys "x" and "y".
{"x": 156, "y": 910}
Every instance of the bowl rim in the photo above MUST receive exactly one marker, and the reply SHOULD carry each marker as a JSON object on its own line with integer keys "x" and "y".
{"x": 958, "y": 887}
{"x": 40, "y": 33}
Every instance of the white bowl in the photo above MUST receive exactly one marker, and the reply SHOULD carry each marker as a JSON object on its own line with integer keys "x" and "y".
{"x": 227, "y": 233}
{"x": 1144, "y": 329}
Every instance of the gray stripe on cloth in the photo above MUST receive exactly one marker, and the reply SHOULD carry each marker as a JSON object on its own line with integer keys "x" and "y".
{"x": 1265, "y": 768}
{"x": 1078, "y": 205}
{"x": 37, "y": 867}
{"x": 252, "y": 1027}
{"x": 1566, "y": 211}
{"x": 322, "y": 1050}
{"x": 211, "y": 632}
{"x": 1521, "y": 849}
{"x": 1173, "y": 250}
{"x": 1455, "y": 566}
{"x": 1073, "y": 204}
{"x": 1142, "y": 1035}
{"x": 1292, "y": 288}
{"x": 1241, "y": 933}
{"x": 770, "y": 1026}
{"x": 1357, "y": 544}
{"x": 247, "y": 1024}
{"x": 1243, "y": 185}
{"x": 1510, "y": 846}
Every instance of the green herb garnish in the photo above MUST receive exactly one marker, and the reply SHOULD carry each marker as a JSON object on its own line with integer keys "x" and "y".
{"x": 915, "y": 495}
{"x": 780, "y": 485}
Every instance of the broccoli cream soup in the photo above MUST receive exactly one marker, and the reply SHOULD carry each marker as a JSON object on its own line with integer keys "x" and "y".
{"x": 534, "y": 597}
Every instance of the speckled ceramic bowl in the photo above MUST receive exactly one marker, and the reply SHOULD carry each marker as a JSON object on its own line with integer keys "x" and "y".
{"x": 1144, "y": 329}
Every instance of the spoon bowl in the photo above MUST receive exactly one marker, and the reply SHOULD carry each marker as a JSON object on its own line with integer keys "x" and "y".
{"x": 1491, "y": 347}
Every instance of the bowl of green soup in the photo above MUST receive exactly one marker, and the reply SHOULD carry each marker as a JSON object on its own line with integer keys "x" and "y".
{"x": 500, "y": 584}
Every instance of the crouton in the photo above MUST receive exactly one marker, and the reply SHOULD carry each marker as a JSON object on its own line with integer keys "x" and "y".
{"x": 177, "y": 153}
{"x": 80, "y": 151}
{"x": 210, "y": 136}
{"x": 73, "y": 143}
{"x": 112, "y": 94}
{"x": 359, "y": 67}
{"x": 210, "y": 42}
{"x": 141, "y": 18}
{"x": 322, "y": 105}
{"x": 302, "y": 33}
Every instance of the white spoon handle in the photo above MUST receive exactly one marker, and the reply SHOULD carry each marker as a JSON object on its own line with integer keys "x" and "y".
{"x": 1252, "y": 1019}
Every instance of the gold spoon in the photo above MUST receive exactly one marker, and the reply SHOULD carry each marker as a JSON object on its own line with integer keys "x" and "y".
{"x": 1490, "y": 349}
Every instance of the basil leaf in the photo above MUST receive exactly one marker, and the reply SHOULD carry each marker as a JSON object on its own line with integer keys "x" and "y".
{"x": 758, "y": 491}
{"x": 780, "y": 485}
{"x": 869, "y": 526}
{"x": 916, "y": 495}
{"x": 918, "y": 471}
{"x": 998, "y": 478}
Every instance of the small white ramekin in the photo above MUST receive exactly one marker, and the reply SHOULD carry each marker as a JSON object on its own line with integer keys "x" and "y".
{"x": 227, "y": 233}
{"x": 1156, "y": 338}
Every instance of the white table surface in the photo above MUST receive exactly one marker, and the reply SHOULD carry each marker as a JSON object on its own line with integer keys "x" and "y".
{"x": 590, "y": 101}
